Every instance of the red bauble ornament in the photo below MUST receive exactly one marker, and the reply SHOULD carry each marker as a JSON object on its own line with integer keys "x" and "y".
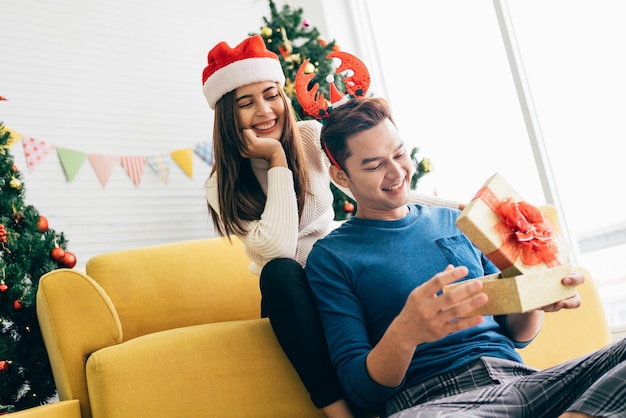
{"x": 348, "y": 207}
{"x": 17, "y": 304}
{"x": 42, "y": 224}
{"x": 68, "y": 260}
{"x": 57, "y": 254}
{"x": 4, "y": 366}
{"x": 3, "y": 287}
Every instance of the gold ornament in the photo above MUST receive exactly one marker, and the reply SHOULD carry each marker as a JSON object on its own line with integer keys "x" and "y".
{"x": 294, "y": 58}
{"x": 290, "y": 88}
{"x": 15, "y": 183}
{"x": 309, "y": 68}
{"x": 266, "y": 31}
{"x": 286, "y": 42}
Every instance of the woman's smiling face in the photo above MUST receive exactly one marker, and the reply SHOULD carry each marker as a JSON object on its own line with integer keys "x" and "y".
{"x": 260, "y": 107}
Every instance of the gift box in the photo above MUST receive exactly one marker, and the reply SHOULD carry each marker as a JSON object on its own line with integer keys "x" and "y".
{"x": 522, "y": 293}
{"x": 524, "y": 242}
{"x": 516, "y": 236}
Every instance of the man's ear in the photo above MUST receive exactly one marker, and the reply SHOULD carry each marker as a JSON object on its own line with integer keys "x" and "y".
{"x": 339, "y": 176}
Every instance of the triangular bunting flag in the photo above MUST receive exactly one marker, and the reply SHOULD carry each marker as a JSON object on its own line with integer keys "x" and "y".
{"x": 183, "y": 159}
{"x": 15, "y": 136}
{"x": 133, "y": 164}
{"x": 35, "y": 152}
{"x": 103, "y": 166}
{"x": 160, "y": 164}
{"x": 71, "y": 161}
{"x": 204, "y": 150}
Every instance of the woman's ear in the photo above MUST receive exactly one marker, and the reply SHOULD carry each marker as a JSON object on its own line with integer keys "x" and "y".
{"x": 339, "y": 176}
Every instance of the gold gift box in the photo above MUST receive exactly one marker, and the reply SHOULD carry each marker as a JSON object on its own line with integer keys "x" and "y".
{"x": 518, "y": 287}
{"x": 522, "y": 293}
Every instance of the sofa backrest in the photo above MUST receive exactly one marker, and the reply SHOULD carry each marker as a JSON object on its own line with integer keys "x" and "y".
{"x": 180, "y": 284}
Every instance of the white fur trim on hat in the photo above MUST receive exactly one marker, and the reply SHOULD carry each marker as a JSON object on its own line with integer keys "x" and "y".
{"x": 240, "y": 73}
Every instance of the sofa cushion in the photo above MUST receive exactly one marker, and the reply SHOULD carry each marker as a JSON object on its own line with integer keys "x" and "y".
{"x": 234, "y": 369}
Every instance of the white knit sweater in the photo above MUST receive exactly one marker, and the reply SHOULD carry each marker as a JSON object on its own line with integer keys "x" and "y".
{"x": 278, "y": 233}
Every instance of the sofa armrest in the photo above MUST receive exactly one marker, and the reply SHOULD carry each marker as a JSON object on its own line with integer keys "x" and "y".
{"x": 63, "y": 409}
{"x": 76, "y": 318}
{"x": 234, "y": 369}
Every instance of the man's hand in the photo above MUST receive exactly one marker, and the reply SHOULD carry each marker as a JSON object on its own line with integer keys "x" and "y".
{"x": 525, "y": 326}
{"x": 428, "y": 315}
{"x": 574, "y": 279}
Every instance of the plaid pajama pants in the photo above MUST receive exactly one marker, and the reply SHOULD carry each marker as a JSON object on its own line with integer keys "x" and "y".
{"x": 594, "y": 384}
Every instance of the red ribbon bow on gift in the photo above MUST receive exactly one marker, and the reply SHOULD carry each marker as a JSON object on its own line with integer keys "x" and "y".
{"x": 524, "y": 232}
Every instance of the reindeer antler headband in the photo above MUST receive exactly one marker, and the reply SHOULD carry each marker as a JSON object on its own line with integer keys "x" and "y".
{"x": 315, "y": 104}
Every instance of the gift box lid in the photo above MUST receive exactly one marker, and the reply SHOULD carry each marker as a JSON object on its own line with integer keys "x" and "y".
{"x": 516, "y": 236}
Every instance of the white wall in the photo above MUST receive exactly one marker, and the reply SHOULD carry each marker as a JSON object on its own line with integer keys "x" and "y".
{"x": 117, "y": 77}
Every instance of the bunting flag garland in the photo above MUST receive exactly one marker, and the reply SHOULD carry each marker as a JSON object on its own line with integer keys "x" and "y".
{"x": 204, "y": 150}
{"x": 133, "y": 164}
{"x": 183, "y": 159}
{"x": 103, "y": 166}
{"x": 160, "y": 164}
{"x": 36, "y": 151}
{"x": 15, "y": 137}
{"x": 71, "y": 161}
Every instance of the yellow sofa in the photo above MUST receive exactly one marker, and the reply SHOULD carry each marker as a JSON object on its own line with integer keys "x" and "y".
{"x": 166, "y": 331}
{"x": 174, "y": 331}
{"x": 569, "y": 333}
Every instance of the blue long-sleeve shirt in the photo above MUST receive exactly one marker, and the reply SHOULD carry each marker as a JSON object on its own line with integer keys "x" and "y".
{"x": 361, "y": 275}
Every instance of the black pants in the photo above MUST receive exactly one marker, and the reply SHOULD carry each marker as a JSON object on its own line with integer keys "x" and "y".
{"x": 288, "y": 302}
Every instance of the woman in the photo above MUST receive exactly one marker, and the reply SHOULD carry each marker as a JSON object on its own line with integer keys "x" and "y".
{"x": 270, "y": 187}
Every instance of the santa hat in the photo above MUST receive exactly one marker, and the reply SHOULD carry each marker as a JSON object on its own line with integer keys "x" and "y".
{"x": 229, "y": 68}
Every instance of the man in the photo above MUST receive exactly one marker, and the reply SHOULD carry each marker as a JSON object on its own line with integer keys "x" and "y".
{"x": 395, "y": 339}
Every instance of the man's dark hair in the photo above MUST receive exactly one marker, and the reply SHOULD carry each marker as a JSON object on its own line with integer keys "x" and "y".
{"x": 352, "y": 117}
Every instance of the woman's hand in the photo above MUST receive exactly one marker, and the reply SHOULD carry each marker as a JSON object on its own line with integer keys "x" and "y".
{"x": 267, "y": 149}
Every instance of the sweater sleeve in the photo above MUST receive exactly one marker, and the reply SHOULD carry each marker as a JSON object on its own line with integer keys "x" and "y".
{"x": 415, "y": 197}
{"x": 426, "y": 200}
{"x": 276, "y": 233}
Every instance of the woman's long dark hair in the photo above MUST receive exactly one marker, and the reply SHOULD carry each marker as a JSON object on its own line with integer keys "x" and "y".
{"x": 239, "y": 193}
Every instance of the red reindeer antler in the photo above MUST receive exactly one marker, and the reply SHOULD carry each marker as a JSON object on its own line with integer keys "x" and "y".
{"x": 313, "y": 102}
{"x": 358, "y": 83}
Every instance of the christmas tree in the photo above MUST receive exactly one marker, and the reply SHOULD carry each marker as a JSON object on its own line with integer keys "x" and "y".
{"x": 292, "y": 37}
{"x": 28, "y": 249}
{"x": 422, "y": 167}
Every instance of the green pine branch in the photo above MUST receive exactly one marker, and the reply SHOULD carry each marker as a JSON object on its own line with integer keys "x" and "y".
{"x": 25, "y": 374}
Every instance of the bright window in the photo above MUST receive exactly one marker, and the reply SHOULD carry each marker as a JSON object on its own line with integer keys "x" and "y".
{"x": 447, "y": 75}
